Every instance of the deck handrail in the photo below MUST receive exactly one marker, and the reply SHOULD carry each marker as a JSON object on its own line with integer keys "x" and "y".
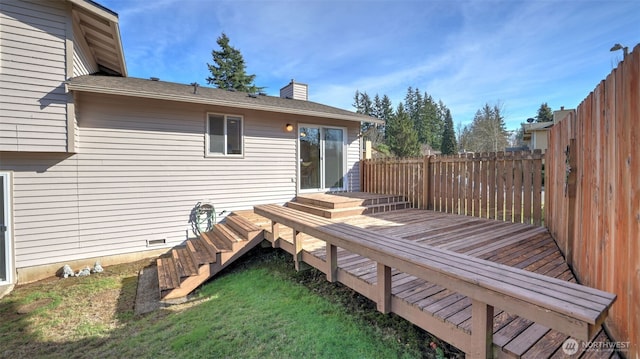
{"x": 570, "y": 308}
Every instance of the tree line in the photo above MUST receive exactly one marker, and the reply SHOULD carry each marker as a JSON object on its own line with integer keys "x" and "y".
{"x": 421, "y": 122}
{"x": 417, "y": 122}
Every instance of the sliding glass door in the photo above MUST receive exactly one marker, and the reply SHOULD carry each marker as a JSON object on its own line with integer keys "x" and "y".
{"x": 322, "y": 159}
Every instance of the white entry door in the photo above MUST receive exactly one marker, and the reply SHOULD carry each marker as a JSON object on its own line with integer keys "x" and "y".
{"x": 322, "y": 158}
{"x": 5, "y": 240}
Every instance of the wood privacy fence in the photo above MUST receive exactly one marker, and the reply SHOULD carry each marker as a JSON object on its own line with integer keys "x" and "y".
{"x": 504, "y": 186}
{"x": 593, "y": 185}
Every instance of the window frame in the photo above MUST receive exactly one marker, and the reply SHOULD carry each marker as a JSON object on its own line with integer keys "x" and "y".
{"x": 207, "y": 135}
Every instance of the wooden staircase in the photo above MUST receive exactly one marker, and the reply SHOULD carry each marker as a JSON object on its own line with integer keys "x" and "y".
{"x": 186, "y": 267}
{"x": 339, "y": 205}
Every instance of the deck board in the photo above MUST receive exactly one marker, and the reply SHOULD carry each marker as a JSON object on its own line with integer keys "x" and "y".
{"x": 518, "y": 245}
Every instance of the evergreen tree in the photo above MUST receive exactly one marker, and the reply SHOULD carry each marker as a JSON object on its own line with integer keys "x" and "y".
{"x": 383, "y": 108}
{"x": 363, "y": 105}
{"x": 402, "y": 138}
{"x": 449, "y": 146}
{"x": 229, "y": 70}
{"x": 384, "y": 111}
{"x": 545, "y": 114}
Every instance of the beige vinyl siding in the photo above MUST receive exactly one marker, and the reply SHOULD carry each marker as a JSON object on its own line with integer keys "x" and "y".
{"x": 83, "y": 61}
{"x": 296, "y": 91}
{"x": 300, "y": 91}
{"x": 45, "y": 205}
{"x": 142, "y": 168}
{"x": 353, "y": 158}
{"x": 32, "y": 71}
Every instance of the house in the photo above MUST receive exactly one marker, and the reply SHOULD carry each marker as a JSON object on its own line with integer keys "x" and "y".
{"x": 536, "y": 135}
{"x": 96, "y": 165}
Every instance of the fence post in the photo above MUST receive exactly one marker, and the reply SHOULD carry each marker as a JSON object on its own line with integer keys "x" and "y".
{"x": 362, "y": 176}
{"x": 537, "y": 187}
{"x": 426, "y": 185}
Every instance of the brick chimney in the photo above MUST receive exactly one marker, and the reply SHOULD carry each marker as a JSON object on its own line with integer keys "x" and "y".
{"x": 295, "y": 90}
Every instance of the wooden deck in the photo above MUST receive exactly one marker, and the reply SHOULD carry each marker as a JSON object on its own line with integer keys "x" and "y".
{"x": 518, "y": 245}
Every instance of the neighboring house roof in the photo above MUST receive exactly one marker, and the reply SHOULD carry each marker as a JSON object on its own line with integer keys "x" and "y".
{"x": 538, "y": 126}
{"x": 99, "y": 27}
{"x": 161, "y": 90}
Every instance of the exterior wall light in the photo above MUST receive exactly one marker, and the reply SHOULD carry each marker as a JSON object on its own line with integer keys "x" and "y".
{"x": 288, "y": 127}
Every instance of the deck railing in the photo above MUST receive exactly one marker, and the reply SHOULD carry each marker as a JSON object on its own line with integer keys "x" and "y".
{"x": 500, "y": 185}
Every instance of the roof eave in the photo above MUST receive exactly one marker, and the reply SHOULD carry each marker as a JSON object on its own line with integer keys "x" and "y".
{"x": 113, "y": 20}
{"x": 217, "y": 102}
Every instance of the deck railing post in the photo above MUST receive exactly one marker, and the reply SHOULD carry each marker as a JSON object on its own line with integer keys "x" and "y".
{"x": 384, "y": 288}
{"x": 275, "y": 233}
{"x": 481, "y": 330}
{"x": 297, "y": 244}
{"x": 332, "y": 262}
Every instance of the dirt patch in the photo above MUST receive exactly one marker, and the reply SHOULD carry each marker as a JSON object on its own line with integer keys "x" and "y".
{"x": 33, "y": 306}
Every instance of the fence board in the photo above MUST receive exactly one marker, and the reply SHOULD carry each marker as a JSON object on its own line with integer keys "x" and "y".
{"x": 476, "y": 185}
{"x": 517, "y": 188}
{"x": 493, "y": 187}
{"x": 508, "y": 174}
{"x": 603, "y": 243}
{"x": 483, "y": 185}
{"x": 537, "y": 188}
{"x": 500, "y": 183}
{"x": 527, "y": 190}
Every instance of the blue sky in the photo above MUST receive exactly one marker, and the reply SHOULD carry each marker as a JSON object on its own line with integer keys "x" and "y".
{"x": 466, "y": 53}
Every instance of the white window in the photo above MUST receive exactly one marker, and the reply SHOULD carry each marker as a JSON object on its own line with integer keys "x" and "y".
{"x": 224, "y": 135}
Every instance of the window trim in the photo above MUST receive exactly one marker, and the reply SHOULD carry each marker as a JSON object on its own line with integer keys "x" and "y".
{"x": 207, "y": 136}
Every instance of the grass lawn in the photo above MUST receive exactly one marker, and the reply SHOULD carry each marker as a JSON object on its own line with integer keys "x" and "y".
{"x": 258, "y": 308}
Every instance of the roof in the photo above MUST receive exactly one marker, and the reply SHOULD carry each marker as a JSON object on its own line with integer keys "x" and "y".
{"x": 538, "y": 126}
{"x": 161, "y": 90}
{"x": 99, "y": 27}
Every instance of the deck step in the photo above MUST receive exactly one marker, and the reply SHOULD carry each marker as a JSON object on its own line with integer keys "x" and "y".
{"x": 212, "y": 240}
{"x": 200, "y": 254}
{"x": 227, "y": 235}
{"x": 180, "y": 268}
{"x": 327, "y": 213}
{"x": 386, "y": 207}
{"x": 345, "y": 200}
{"x": 184, "y": 261}
{"x": 242, "y": 226}
{"x": 167, "y": 273}
{"x": 347, "y": 212}
{"x": 328, "y": 204}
